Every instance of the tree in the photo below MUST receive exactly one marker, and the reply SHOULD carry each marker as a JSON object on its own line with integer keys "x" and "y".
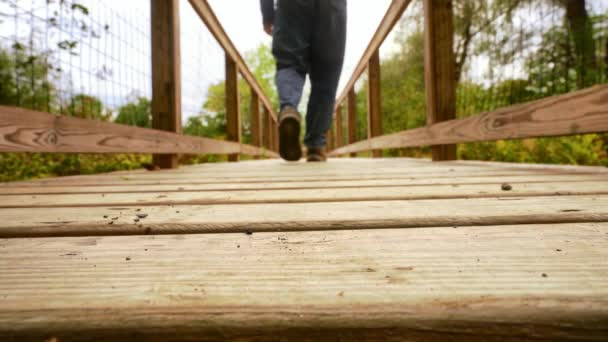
{"x": 138, "y": 113}
{"x": 213, "y": 112}
{"x": 87, "y": 107}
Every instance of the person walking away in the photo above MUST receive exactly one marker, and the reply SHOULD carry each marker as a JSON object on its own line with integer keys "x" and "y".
{"x": 309, "y": 38}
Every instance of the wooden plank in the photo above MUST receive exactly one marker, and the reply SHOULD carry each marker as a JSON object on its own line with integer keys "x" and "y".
{"x": 166, "y": 74}
{"x": 374, "y": 100}
{"x": 391, "y": 18}
{"x": 580, "y": 112}
{"x": 206, "y": 13}
{"x": 24, "y": 130}
{"x": 470, "y": 283}
{"x": 233, "y": 108}
{"x": 166, "y": 219}
{"x": 439, "y": 69}
{"x": 285, "y": 172}
{"x": 228, "y": 185}
{"x": 352, "y": 118}
{"x": 331, "y": 144}
{"x": 241, "y": 180}
{"x": 421, "y": 192}
{"x": 339, "y": 127}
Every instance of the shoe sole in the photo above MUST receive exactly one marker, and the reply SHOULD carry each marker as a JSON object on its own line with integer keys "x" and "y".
{"x": 289, "y": 140}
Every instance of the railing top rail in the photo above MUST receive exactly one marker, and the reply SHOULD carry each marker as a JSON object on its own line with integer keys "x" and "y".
{"x": 205, "y": 12}
{"x": 392, "y": 16}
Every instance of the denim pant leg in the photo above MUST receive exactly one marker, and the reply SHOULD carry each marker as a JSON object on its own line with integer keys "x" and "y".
{"x": 327, "y": 57}
{"x": 291, "y": 47}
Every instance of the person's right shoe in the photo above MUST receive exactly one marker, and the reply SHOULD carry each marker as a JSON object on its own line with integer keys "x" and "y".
{"x": 315, "y": 155}
{"x": 289, "y": 134}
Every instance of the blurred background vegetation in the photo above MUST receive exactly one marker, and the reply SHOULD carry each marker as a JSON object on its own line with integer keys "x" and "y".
{"x": 521, "y": 62}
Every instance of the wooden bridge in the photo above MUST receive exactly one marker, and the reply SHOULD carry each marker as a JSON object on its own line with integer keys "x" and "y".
{"x": 352, "y": 249}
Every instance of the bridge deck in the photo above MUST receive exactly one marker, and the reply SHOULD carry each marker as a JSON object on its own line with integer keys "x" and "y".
{"x": 355, "y": 248}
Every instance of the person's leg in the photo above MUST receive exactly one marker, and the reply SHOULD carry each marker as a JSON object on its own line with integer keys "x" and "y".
{"x": 291, "y": 48}
{"x": 327, "y": 57}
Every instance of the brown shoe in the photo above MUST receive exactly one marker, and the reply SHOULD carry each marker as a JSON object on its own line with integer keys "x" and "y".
{"x": 289, "y": 134}
{"x": 315, "y": 155}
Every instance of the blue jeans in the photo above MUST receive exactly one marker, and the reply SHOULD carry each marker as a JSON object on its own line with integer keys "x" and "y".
{"x": 309, "y": 39}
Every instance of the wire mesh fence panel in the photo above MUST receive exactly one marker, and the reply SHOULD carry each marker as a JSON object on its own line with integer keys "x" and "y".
{"x": 509, "y": 52}
{"x": 514, "y": 51}
{"x": 82, "y": 58}
{"x": 88, "y": 58}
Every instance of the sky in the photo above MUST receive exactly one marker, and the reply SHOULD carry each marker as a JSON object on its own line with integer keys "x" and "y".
{"x": 245, "y": 26}
{"x": 115, "y": 66}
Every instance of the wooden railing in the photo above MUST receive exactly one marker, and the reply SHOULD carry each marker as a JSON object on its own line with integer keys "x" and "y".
{"x": 23, "y": 130}
{"x": 584, "y": 111}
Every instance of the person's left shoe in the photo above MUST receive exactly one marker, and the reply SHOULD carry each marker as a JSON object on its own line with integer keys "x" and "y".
{"x": 289, "y": 134}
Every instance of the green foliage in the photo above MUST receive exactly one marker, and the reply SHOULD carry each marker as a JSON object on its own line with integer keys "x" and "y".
{"x": 138, "y": 113}
{"x": 211, "y": 122}
{"x": 20, "y": 166}
{"x": 485, "y": 28}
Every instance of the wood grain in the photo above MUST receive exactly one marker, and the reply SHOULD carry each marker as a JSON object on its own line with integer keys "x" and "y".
{"x": 439, "y": 69}
{"x": 167, "y": 219}
{"x": 23, "y": 130}
{"x": 166, "y": 74}
{"x": 422, "y": 192}
{"x": 584, "y": 111}
{"x": 227, "y": 185}
{"x": 470, "y": 283}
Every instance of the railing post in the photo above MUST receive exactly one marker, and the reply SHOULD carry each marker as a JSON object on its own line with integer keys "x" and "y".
{"x": 330, "y": 138}
{"x": 439, "y": 69}
{"x": 267, "y": 124}
{"x": 374, "y": 104}
{"x": 339, "y": 135}
{"x": 256, "y": 130}
{"x": 166, "y": 76}
{"x": 276, "y": 136}
{"x": 233, "y": 117}
{"x": 352, "y": 118}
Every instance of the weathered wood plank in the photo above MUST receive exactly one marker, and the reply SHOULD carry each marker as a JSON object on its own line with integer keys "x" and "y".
{"x": 207, "y": 15}
{"x": 23, "y": 130}
{"x": 140, "y": 187}
{"x": 422, "y": 192}
{"x": 439, "y": 69}
{"x": 392, "y": 16}
{"x": 472, "y": 283}
{"x": 162, "y": 179}
{"x": 584, "y": 111}
{"x": 269, "y": 178}
{"x": 166, "y": 74}
{"x": 167, "y": 219}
